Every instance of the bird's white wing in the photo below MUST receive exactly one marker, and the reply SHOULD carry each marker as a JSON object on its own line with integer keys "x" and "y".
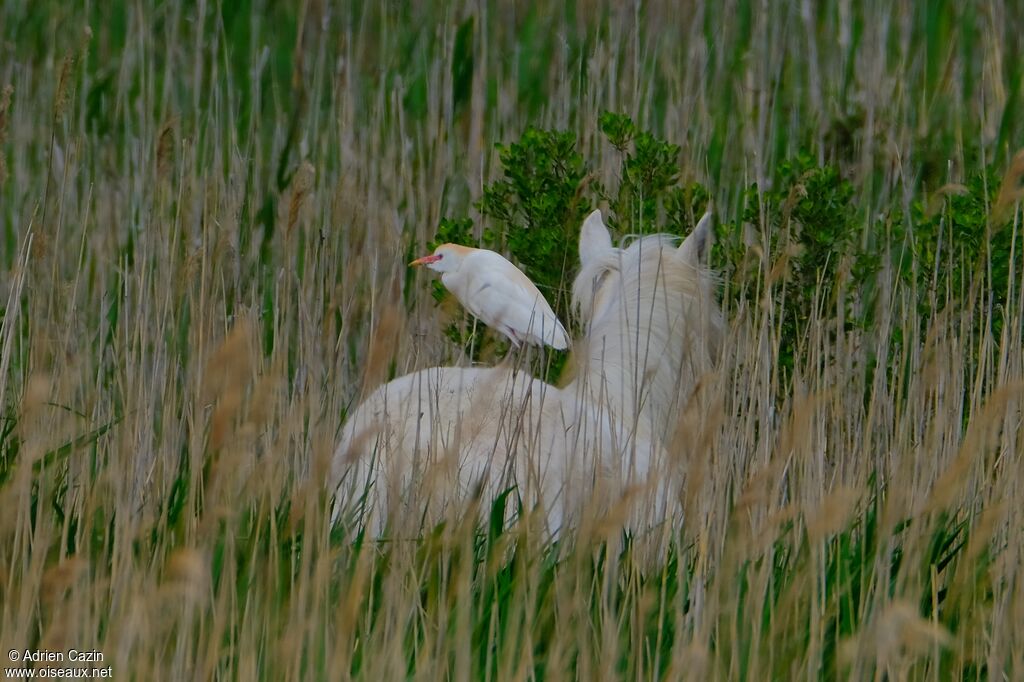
{"x": 503, "y": 297}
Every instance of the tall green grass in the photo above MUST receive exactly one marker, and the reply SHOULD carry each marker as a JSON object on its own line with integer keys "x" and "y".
{"x": 205, "y": 214}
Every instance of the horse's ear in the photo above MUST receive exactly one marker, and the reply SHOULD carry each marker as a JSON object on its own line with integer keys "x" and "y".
{"x": 594, "y": 238}
{"x": 697, "y": 246}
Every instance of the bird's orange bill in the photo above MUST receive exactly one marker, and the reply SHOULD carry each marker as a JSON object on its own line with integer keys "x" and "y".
{"x": 425, "y": 260}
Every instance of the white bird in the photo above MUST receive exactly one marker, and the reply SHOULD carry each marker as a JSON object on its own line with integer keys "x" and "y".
{"x": 498, "y": 293}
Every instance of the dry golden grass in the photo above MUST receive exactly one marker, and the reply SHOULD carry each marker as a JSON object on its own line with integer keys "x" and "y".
{"x": 205, "y": 220}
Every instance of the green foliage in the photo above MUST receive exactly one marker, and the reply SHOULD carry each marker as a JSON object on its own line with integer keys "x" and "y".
{"x": 537, "y": 207}
{"x": 948, "y": 245}
{"x": 649, "y": 170}
{"x": 824, "y": 254}
{"x": 618, "y": 128}
{"x": 850, "y": 567}
{"x": 811, "y": 228}
{"x": 9, "y": 446}
{"x": 462, "y": 63}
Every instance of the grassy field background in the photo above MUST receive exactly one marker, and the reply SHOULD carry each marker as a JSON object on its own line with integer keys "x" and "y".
{"x": 206, "y": 211}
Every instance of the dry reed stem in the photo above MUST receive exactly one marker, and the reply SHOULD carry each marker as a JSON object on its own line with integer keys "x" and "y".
{"x": 226, "y": 379}
{"x": 1011, "y": 190}
{"x": 384, "y": 343}
{"x": 301, "y": 186}
{"x": 897, "y": 635}
{"x": 165, "y": 147}
{"x": 938, "y": 199}
{"x": 186, "y": 574}
{"x": 140, "y": 587}
{"x": 980, "y": 431}
{"x": 833, "y": 514}
{"x": 62, "y": 96}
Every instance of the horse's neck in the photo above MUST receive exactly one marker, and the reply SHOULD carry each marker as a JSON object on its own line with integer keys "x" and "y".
{"x": 645, "y": 380}
{"x": 637, "y": 392}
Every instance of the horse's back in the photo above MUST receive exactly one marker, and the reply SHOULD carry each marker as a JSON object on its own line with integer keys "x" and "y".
{"x": 443, "y": 432}
{"x": 444, "y": 436}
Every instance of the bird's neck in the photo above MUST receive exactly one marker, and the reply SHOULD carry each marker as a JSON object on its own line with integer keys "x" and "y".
{"x": 450, "y": 277}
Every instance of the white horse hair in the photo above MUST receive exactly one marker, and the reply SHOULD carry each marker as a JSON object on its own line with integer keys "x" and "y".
{"x": 446, "y": 436}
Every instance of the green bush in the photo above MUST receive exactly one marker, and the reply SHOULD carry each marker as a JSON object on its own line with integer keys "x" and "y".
{"x": 536, "y": 208}
{"x": 945, "y": 246}
{"x": 823, "y": 253}
{"x": 812, "y": 229}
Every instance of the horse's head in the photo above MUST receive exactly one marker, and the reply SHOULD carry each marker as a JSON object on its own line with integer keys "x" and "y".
{"x": 649, "y": 310}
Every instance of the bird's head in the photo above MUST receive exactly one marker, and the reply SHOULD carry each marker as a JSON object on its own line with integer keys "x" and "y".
{"x": 446, "y": 258}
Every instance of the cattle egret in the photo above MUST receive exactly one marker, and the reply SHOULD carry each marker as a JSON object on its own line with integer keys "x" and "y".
{"x": 498, "y": 293}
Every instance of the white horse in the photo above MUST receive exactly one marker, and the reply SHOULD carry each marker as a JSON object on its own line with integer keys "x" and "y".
{"x": 448, "y": 435}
